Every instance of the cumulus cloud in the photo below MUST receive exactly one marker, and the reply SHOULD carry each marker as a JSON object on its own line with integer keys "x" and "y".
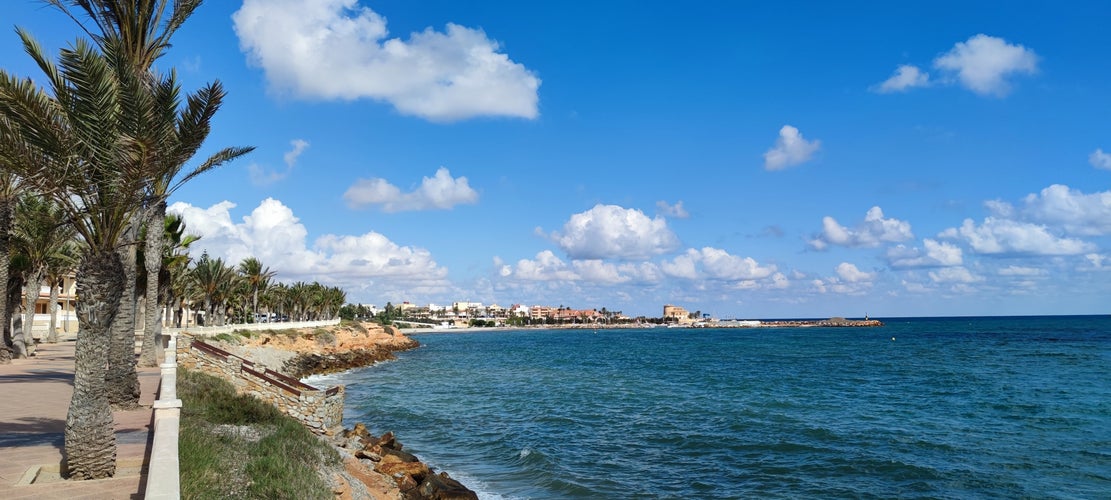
{"x": 716, "y": 264}
{"x": 1022, "y": 271}
{"x": 954, "y": 275}
{"x": 1099, "y": 159}
{"x": 1069, "y": 209}
{"x": 790, "y": 149}
{"x": 440, "y": 192}
{"x": 613, "y": 232}
{"x": 851, "y": 274}
{"x": 336, "y": 49}
{"x": 260, "y": 176}
{"x": 546, "y": 266}
{"x": 849, "y": 281}
{"x": 983, "y": 63}
{"x": 1006, "y": 237}
{"x": 935, "y": 254}
{"x": 675, "y": 210}
{"x": 274, "y": 235}
{"x": 871, "y": 233}
{"x": 906, "y": 77}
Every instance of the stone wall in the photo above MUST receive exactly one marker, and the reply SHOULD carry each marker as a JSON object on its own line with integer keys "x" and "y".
{"x": 320, "y": 410}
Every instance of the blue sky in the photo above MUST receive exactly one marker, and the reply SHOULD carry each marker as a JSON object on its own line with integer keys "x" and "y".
{"x": 780, "y": 159}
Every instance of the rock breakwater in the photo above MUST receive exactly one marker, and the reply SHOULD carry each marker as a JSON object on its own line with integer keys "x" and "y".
{"x": 414, "y": 479}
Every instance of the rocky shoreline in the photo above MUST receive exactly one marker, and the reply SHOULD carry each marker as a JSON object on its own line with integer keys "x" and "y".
{"x": 373, "y": 467}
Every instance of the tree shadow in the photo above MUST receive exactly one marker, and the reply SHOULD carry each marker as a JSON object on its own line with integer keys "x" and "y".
{"x": 34, "y": 431}
{"x": 40, "y": 375}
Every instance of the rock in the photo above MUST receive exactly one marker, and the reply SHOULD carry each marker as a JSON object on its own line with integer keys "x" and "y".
{"x": 373, "y": 457}
{"x": 401, "y": 455}
{"x": 407, "y": 485}
{"x": 417, "y": 470}
{"x": 388, "y": 440}
{"x": 443, "y": 487}
{"x": 359, "y": 431}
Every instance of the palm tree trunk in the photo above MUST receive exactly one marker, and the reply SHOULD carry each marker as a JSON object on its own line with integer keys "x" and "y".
{"x": 52, "y": 333}
{"x": 31, "y": 295}
{"x": 19, "y": 341}
{"x": 90, "y": 443}
{"x": 152, "y": 326}
{"x": 122, "y": 380}
{"x": 5, "y": 257}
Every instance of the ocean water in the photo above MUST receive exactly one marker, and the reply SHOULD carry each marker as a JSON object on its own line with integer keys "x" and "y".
{"x": 920, "y": 408}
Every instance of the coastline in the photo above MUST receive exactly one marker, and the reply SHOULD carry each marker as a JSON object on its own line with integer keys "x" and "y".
{"x": 793, "y": 323}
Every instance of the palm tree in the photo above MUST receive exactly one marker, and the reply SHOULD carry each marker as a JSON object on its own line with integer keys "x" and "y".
{"x": 68, "y": 142}
{"x": 211, "y": 280}
{"x": 139, "y": 32}
{"x": 41, "y": 233}
{"x": 58, "y": 266}
{"x": 257, "y": 276}
{"x": 90, "y": 141}
{"x": 10, "y": 188}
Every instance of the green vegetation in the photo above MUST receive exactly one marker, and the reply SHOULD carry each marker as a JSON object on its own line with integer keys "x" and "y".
{"x": 235, "y": 446}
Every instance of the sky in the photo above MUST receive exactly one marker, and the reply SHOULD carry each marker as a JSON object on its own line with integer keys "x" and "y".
{"x": 742, "y": 159}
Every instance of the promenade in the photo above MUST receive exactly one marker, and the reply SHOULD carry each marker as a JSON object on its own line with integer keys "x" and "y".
{"x": 34, "y": 399}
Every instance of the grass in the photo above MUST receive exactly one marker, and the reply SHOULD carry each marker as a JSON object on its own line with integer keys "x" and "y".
{"x": 235, "y": 446}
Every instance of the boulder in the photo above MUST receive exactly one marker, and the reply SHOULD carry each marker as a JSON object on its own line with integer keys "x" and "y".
{"x": 443, "y": 487}
{"x": 417, "y": 470}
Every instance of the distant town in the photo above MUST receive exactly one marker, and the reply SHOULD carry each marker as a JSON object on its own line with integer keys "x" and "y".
{"x": 476, "y": 314}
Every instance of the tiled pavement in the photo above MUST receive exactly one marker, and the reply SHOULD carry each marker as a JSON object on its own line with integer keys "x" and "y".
{"x": 34, "y": 399}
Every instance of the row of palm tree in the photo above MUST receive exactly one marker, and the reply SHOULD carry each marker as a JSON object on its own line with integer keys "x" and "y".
{"x": 104, "y": 139}
{"x": 239, "y": 293}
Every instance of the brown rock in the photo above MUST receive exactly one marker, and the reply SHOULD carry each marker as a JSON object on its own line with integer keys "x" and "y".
{"x": 417, "y": 470}
{"x": 402, "y": 455}
{"x": 407, "y": 485}
{"x": 443, "y": 487}
{"x": 388, "y": 440}
{"x": 373, "y": 457}
{"x": 389, "y": 459}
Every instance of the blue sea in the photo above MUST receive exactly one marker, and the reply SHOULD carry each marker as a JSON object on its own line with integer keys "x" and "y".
{"x": 993, "y": 407}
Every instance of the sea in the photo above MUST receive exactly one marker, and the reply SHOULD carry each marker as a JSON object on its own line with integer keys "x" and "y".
{"x": 964, "y": 407}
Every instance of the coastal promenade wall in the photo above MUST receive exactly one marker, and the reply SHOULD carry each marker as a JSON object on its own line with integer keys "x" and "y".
{"x": 163, "y": 470}
{"x": 319, "y": 410}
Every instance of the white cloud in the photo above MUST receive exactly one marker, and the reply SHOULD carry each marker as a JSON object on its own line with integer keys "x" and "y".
{"x": 716, "y": 264}
{"x": 983, "y": 63}
{"x": 547, "y": 267}
{"x": 790, "y": 149}
{"x": 871, "y": 233}
{"x": 937, "y": 254}
{"x": 299, "y": 146}
{"x": 1002, "y": 237}
{"x": 336, "y": 49}
{"x": 851, "y": 274}
{"x": 1022, "y": 271}
{"x": 440, "y": 192}
{"x": 1099, "y": 159}
{"x": 675, "y": 210}
{"x": 954, "y": 275}
{"x": 274, "y": 235}
{"x": 613, "y": 232}
{"x": 1071, "y": 210}
{"x": 906, "y": 76}
{"x": 263, "y": 177}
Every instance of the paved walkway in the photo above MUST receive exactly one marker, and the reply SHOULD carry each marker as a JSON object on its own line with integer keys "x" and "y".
{"x": 34, "y": 399}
